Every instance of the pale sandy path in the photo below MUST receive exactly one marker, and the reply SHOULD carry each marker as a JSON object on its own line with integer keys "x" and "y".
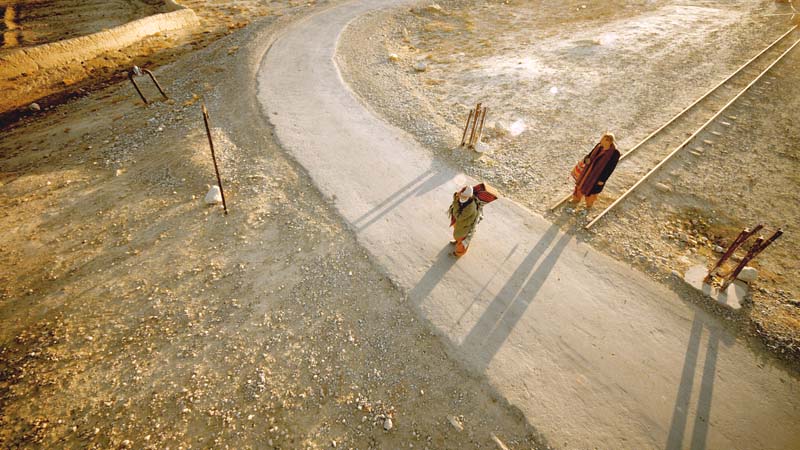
{"x": 593, "y": 352}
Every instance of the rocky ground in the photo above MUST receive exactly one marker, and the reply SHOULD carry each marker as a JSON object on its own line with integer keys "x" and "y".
{"x": 132, "y": 315}
{"x": 555, "y": 75}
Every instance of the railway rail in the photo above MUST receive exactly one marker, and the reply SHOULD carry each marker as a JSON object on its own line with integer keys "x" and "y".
{"x": 693, "y": 120}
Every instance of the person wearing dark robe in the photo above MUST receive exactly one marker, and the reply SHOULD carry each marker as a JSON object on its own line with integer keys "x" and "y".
{"x": 600, "y": 164}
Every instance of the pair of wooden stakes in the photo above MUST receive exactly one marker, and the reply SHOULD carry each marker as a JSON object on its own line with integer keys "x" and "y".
{"x": 758, "y": 246}
{"x": 137, "y": 72}
{"x": 479, "y": 113}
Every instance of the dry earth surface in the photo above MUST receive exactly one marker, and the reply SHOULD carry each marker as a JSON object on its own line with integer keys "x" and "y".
{"x": 555, "y": 75}
{"x": 134, "y": 316}
{"x": 31, "y": 22}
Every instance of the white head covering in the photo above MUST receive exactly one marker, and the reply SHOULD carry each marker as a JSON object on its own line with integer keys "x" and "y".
{"x": 465, "y": 194}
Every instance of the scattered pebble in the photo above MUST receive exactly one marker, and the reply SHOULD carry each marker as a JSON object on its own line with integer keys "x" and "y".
{"x": 214, "y": 196}
{"x": 748, "y": 274}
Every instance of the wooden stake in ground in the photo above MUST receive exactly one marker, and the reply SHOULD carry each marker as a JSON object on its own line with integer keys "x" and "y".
{"x": 474, "y": 124}
{"x": 137, "y": 72}
{"x": 757, "y": 248}
{"x": 480, "y": 129}
{"x": 743, "y": 236}
{"x": 214, "y": 157}
{"x": 466, "y": 127}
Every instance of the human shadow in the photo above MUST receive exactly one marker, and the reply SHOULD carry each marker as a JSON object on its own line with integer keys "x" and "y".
{"x": 509, "y": 305}
{"x": 485, "y": 286}
{"x": 680, "y": 413}
{"x": 441, "y": 265}
{"x": 420, "y": 185}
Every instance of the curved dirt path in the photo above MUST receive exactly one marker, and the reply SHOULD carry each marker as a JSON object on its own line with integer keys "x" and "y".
{"x": 593, "y": 352}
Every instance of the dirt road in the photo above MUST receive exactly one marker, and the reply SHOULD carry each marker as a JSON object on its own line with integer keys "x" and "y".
{"x": 593, "y": 352}
{"x": 132, "y": 315}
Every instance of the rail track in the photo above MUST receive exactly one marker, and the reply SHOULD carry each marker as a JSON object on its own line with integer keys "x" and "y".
{"x": 692, "y": 126}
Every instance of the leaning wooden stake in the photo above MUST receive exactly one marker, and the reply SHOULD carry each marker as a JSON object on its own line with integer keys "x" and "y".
{"x": 677, "y": 116}
{"x": 466, "y": 127}
{"x": 474, "y": 123}
{"x": 214, "y": 157}
{"x": 743, "y": 236}
{"x": 690, "y": 138}
{"x": 757, "y": 248}
{"x": 136, "y": 86}
{"x": 480, "y": 128}
{"x": 155, "y": 81}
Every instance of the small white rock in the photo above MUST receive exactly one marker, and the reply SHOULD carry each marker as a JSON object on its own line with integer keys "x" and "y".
{"x": 433, "y": 8}
{"x": 214, "y": 196}
{"x": 387, "y": 424}
{"x": 421, "y": 66}
{"x": 748, "y": 274}
{"x": 663, "y": 187}
{"x": 394, "y": 57}
{"x": 718, "y": 249}
{"x": 34, "y": 107}
{"x": 455, "y": 423}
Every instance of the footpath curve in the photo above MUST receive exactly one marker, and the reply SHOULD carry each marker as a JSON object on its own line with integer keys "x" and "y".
{"x": 594, "y": 354}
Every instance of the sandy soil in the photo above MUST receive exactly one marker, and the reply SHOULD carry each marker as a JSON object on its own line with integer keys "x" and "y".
{"x": 134, "y": 316}
{"x": 33, "y": 22}
{"x": 218, "y": 18}
{"x": 555, "y": 75}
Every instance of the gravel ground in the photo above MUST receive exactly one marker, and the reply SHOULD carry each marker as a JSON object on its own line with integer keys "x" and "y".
{"x": 555, "y": 75}
{"x": 134, "y": 316}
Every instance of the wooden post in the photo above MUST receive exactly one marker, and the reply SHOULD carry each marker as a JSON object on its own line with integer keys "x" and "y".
{"x": 743, "y": 236}
{"x": 474, "y": 124}
{"x": 466, "y": 127}
{"x": 153, "y": 77}
{"x": 480, "y": 129}
{"x": 214, "y": 157}
{"x": 755, "y": 250}
{"x": 139, "y": 91}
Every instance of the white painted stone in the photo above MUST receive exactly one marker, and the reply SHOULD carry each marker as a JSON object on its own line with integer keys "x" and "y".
{"x": 748, "y": 274}
{"x": 732, "y": 297}
{"x": 214, "y": 196}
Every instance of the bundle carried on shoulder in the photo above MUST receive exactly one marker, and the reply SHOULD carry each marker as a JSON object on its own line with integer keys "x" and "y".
{"x": 485, "y": 193}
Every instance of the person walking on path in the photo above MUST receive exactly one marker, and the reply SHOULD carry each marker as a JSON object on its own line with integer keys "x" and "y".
{"x": 597, "y": 167}
{"x": 465, "y": 213}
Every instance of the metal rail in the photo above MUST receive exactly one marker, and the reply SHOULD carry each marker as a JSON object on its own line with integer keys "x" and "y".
{"x": 690, "y": 138}
{"x": 685, "y": 110}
